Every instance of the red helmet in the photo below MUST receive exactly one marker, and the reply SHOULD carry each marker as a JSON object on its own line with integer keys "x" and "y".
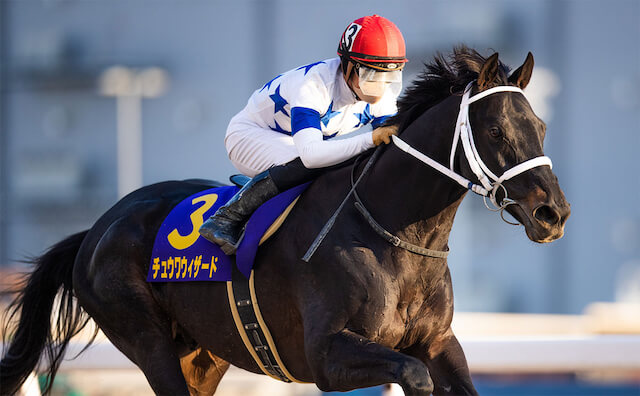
{"x": 375, "y": 42}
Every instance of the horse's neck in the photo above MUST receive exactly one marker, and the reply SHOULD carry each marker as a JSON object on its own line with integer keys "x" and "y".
{"x": 410, "y": 198}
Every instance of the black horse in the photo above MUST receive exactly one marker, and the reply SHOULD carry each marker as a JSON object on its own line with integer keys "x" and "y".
{"x": 361, "y": 313}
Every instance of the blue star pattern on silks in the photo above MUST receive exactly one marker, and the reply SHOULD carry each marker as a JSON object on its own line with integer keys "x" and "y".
{"x": 268, "y": 85}
{"x": 308, "y": 67}
{"x": 365, "y": 117}
{"x": 279, "y": 102}
{"x": 278, "y": 128}
{"x": 329, "y": 115}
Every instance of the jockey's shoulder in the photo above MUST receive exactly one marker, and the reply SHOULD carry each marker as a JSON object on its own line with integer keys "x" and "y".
{"x": 319, "y": 75}
{"x": 323, "y": 69}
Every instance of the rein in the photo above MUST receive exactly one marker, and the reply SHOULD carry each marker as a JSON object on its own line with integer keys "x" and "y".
{"x": 392, "y": 239}
{"x": 327, "y": 227}
{"x": 488, "y": 187}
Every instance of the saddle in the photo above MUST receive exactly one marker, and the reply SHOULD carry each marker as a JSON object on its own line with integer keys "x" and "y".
{"x": 180, "y": 254}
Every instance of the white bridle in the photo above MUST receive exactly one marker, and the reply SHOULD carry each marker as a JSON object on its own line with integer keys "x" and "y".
{"x": 490, "y": 183}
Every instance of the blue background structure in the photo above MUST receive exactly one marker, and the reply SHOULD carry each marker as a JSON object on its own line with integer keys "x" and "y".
{"x": 58, "y": 133}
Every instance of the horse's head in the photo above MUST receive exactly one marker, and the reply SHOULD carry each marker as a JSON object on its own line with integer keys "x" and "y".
{"x": 507, "y": 133}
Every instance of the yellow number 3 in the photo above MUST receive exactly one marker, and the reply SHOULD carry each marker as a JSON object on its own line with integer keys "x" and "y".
{"x": 182, "y": 242}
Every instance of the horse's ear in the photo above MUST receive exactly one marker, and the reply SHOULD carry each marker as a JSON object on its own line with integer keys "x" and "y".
{"x": 488, "y": 72}
{"x": 521, "y": 76}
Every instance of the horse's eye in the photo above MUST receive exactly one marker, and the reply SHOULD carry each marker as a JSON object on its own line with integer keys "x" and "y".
{"x": 495, "y": 132}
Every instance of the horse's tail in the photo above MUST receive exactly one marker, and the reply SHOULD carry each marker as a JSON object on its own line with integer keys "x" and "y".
{"x": 33, "y": 333}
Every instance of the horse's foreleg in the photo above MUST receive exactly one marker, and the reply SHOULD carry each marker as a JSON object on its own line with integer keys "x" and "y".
{"x": 447, "y": 365}
{"x": 346, "y": 361}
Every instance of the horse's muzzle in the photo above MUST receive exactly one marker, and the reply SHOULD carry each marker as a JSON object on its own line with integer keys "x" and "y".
{"x": 543, "y": 217}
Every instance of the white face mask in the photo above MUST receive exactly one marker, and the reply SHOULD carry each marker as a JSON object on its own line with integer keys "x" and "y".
{"x": 376, "y": 83}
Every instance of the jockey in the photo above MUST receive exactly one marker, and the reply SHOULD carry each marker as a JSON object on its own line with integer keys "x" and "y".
{"x": 283, "y": 137}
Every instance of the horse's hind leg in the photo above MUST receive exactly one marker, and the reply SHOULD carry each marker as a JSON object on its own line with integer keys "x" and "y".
{"x": 110, "y": 287}
{"x": 147, "y": 341}
{"x": 203, "y": 371}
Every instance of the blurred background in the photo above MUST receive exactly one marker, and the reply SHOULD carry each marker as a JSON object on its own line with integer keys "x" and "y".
{"x": 98, "y": 98}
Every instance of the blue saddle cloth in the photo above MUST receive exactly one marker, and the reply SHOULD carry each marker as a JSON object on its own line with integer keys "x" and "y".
{"x": 180, "y": 254}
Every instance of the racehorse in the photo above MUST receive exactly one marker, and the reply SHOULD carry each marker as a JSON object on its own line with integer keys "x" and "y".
{"x": 362, "y": 312}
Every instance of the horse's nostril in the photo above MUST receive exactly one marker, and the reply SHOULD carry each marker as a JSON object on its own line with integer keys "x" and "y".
{"x": 546, "y": 214}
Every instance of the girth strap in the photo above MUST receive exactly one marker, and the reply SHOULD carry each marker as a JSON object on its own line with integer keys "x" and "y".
{"x": 252, "y": 328}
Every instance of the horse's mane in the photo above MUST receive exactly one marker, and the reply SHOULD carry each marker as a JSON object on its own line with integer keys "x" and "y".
{"x": 444, "y": 76}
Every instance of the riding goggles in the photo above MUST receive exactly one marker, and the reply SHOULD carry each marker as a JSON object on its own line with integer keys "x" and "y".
{"x": 375, "y": 82}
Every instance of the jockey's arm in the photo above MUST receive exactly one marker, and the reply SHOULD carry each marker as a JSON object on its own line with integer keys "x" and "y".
{"x": 315, "y": 152}
{"x": 318, "y": 153}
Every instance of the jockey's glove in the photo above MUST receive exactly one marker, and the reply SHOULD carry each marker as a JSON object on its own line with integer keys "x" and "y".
{"x": 383, "y": 134}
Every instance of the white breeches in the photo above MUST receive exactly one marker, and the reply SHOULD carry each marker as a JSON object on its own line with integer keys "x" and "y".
{"x": 253, "y": 149}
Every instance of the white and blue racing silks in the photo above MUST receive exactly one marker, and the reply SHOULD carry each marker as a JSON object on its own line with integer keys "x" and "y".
{"x": 314, "y": 96}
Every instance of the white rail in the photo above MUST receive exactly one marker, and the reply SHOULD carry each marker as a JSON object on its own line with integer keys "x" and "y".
{"x": 505, "y": 354}
{"x": 544, "y": 354}
{"x": 486, "y": 355}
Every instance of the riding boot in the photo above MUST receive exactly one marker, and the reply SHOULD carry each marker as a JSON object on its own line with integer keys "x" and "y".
{"x": 225, "y": 227}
